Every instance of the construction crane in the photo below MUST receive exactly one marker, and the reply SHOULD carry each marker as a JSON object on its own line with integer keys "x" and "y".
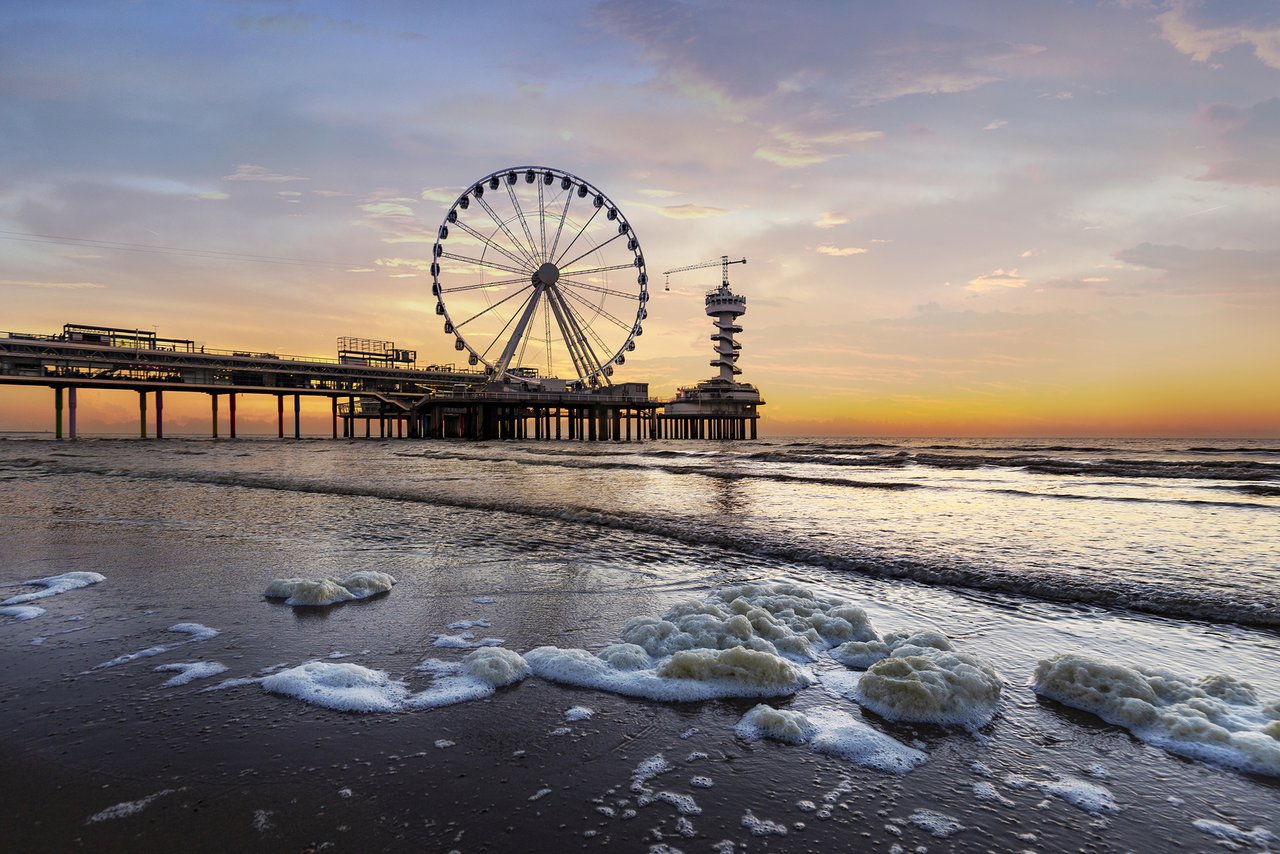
{"x": 723, "y": 261}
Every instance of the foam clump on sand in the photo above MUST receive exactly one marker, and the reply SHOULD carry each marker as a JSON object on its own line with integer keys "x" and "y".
{"x": 748, "y": 640}
{"x": 21, "y": 612}
{"x": 329, "y": 591}
{"x": 863, "y": 654}
{"x": 703, "y": 674}
{"x": 1216, "y": 718}
{"x": 189, "y": 671}
{"x": 833, "y": 733}
{"x": 778, "y": 724}
{"x": 929, "y": 684}
{"x": 781, "y": 619}
{"x": 345, "y": 687}
{"x": 55, "y": 584}
{"x": 352, "y": 688}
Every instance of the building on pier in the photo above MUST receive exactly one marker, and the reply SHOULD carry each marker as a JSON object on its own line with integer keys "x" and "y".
{"x": 721, "y": 407}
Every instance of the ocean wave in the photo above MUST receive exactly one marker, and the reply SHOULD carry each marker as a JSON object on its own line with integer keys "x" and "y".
{"x": 1103, "y": 590}
{"x": 573, "y": 462}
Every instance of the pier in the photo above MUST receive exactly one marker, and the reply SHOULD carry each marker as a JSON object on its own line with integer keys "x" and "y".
{"x": 374, "y": 390}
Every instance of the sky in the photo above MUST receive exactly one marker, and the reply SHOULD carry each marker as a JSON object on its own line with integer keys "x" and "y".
{"x": 959, "y": 218}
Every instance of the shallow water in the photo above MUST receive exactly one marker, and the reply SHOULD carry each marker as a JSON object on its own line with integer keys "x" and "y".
{"x": 1017, "y": 551}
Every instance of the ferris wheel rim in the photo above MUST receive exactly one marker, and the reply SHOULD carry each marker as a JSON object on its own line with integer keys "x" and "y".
{"x": 548, "y": 272}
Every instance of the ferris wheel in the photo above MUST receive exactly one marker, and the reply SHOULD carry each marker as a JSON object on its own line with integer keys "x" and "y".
{"x": 537, "y": 274}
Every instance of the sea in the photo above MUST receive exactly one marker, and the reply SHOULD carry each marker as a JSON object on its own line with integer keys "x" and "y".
{"x": 995, "y": 644}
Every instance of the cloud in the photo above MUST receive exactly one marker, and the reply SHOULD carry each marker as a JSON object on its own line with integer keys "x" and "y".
{"x": 690, "y": 211}
{"x": 830, "y": 219}
{"x": 996, "y": 280}
{"x": 212, "y": 196}
{"x": 659, "y": 194}
{"x": 995, "y": 124}
{"x": 791, "y": 148}
{"x": 841, "y": 251}
{"x": 1185, "y": 27}
{"x": 53, "y": 286}
{"x": 1207, "y": 271}
{"x": 386, "y": 209}
{"x": 444, "y": 195}
{"x": 250, "y": 172}
{"x": 1248, "y": 143}
{"x": 410, "y": 263}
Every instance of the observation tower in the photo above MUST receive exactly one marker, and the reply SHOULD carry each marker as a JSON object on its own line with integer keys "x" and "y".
{"x": 721, "y": 407}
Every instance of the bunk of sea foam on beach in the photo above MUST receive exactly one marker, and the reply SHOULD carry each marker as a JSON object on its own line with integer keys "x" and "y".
{"x": 744, "y": 641}
{"x": 56, "y": 584}
{"x": 926, "y": 684}
{"x": 329, "y": 591}
{"x": 189, "y": 671}
{"x": 703, "y": 674}
{"x": 367, "y": 582}
{"x": 1216, "y": 718}
{"x": 344, "y": 687}
{"x": 782, "y": 619}
{"x": 833, "y": 733}
{"x": 21, "y": 612}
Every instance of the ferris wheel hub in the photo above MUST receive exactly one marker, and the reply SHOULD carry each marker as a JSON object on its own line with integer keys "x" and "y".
{"x": 548, "y": 274}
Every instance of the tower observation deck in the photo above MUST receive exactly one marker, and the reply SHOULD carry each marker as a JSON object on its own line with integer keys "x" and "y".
{"x": 721, "y": 407}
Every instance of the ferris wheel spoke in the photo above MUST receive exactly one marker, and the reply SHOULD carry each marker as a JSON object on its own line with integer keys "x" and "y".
{"x": 497, "y": 247}
{"x": 546, "y": 319}
{"x": 596, "y": 270}
{"x": 586, "y": 328}
{"x": 501, "y": 223}
{"x": 524, "y": 224}
{"x": 495, "y": 284}
{"x": 483, "y": 263}
{"x": 542, "y": 220}
{"x": 484, "y": 311}
{"x": 566, "y": 334}
{"x": 581, "y": 231}
{"x": 503, "y": 331}
{"x": 597, "y": 248}
{"x": 590, "y": 361}
{"x": 606, "y": 315}
{"x": 568, "y": 197}
{"x": 598, "y": 289}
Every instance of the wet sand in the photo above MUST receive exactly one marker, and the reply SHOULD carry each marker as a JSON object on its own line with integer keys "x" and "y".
{"x": 241, "y": 769}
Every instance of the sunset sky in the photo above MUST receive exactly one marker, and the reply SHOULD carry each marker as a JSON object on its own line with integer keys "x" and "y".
{"x": 960, "y": 218}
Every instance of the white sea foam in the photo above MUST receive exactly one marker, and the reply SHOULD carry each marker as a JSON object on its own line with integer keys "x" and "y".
{"x": 778, "y": 724}
{"x": 189, "y": 671}
{"x": 1234, "y": 836}
{"x": 21, "y": 612}
{"x": 484, "y": 600}
{"x": 578, "y": 713}
{"x": 55, "y": 584}
{"x": 762, "y": 826}
{"x": 927, "y": 684}
{"x": 1215, "y": 718}
{"x": 465, "y": 640}
{"x": 1089, "y": 797}
{"x": 329, "y": 591}
{"x": 127, "y": 808}
{"x": 781, "y": 619}
{"x": 345, "y": 687}
{"x": 833, "y": 733}
{"x": 352, "y": 688}
{"x": 939, "y": 825}
{"x": 196, "y": 631}
{"x": 368, "y": 582}
{"x": 862, "y": 654}
{"x": 702, "y": 674}
{"x": 468, "y": 624}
